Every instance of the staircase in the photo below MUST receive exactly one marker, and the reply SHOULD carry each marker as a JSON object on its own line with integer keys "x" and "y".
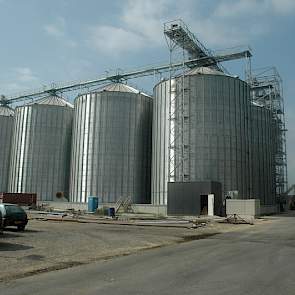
{"x": 124, "y": 205}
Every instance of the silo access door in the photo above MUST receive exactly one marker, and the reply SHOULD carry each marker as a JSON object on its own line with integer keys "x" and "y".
{"x": 204, "y": 204}
{"x": 207, "y": 204}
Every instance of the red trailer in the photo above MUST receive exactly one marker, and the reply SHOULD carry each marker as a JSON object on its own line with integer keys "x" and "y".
{"x": 22, "y": 199}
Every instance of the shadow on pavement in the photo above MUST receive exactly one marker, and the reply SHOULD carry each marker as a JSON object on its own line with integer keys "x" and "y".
{"x": 285, "y": 214}
{"x": 13, "y": 247}
{"x": 12, "y": 229}
{"x": 9, "y": 235}
{"x": 34, "y": 257}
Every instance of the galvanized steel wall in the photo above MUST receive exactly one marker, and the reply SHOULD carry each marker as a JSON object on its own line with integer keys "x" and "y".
{"x": 111, "y": 152}
{"x": 41, "y": 150}
{"x": 262, "y": 159}
{"x": 160, "y": 143}
{"x": 6, "y": 128}
{"x": 215, "y": 133}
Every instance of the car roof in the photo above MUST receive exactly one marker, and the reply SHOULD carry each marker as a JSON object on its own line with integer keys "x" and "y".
{"x": 9, "y": 204}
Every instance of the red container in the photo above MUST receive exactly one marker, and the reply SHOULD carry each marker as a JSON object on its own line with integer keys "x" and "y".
{"x": 24, "y": 199}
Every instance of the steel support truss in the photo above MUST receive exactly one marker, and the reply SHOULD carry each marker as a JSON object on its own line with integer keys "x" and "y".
{"x": 88, "y": 85}
{"x": 267, "y": 91}
{"x": 180, "y": 38}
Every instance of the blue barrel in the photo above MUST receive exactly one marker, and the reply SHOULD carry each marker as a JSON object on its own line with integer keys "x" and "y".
{"x": 92, "y": 204}
{"x": 111, "y": 212}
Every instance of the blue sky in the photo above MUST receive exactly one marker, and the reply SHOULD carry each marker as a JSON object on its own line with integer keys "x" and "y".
{"x": 64, "y": 40}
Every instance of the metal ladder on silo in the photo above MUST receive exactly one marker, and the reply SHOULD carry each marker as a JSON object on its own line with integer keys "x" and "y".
{"x": 178, "y": 121}
{"x": 181, "y": 135}
{"x": 178, "y": 36}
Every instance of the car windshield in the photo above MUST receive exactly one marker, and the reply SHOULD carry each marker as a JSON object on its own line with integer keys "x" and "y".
{"x": 13, "y": 209}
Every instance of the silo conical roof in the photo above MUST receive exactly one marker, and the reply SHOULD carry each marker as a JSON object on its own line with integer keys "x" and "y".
{"x": 6, "y": 111}
{"x": 52, "y": 100}
{"x": 204, "y": 71}
{"x": 120, "y": 87}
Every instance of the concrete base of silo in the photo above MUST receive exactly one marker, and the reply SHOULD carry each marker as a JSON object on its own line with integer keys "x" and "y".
{"x": 269, "y": 209}
{"x": 160, "y": 210}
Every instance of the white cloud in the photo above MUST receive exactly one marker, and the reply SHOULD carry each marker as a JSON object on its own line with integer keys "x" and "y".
{"x": 283, "y": 6}
{"x": 218, "y": 33}
{"x": 141, "y": 26}
{"x": 113, "y": 40}
{"x": 24, "y": 74}
{"x": 58, "y": 30}
{"x": 22, "y": 77}
{"x": 249, "y": 8}
{"x": 236, "y": 9}
{"x": 146, "y": 17}
{"x": 225, "y": 24}
{"x": 213, "y": 33}
{"x": 234, "y": 22}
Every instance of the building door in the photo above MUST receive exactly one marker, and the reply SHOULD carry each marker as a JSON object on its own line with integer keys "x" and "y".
{"x": 211, "y": 205}
{"x": 204, "y": 205}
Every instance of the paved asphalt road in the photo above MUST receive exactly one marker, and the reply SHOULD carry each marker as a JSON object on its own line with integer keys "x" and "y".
{"x": 260, "y": 260}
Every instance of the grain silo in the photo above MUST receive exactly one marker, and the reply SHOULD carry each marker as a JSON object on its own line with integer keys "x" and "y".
{"x": 262, "y": 154}
{"x": 111, "y": 152}
{"x": 212, "y": 141}
{"x": 41, "y": 148}
{"x": 6, "y": 128}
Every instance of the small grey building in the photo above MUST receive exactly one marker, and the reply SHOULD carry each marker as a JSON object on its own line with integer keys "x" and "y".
{"x": 191, "y": 198}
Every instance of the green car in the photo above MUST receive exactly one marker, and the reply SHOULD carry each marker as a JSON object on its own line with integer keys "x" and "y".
{"x": 13, "y": 215}
{"x": 1, "y": 223}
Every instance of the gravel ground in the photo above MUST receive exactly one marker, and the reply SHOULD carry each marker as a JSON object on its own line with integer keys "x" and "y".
{"x": 51, "y": 245}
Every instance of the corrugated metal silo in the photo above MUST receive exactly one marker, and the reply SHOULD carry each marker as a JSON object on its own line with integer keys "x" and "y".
{"x": 41, "y": 148}
{"x": 6, "y": 128}
{"x": 111, "y": 152}
{"x": 262, "y": 155}
{"x": 214, "y": 137}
